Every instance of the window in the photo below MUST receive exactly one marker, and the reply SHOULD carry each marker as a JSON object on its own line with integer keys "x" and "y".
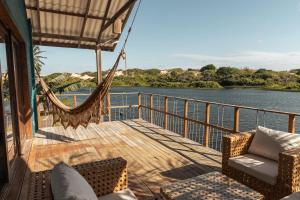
{"x": 6, "y": 95}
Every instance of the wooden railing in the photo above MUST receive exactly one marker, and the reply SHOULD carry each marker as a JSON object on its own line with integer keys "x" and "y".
{"x": 202, "y": 121}
{"x": 185, "y": 117}
{"x": 122, "y": 106}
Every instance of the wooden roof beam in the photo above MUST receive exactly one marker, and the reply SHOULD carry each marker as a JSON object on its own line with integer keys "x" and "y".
{"x": 68, "y": 45}
{"x": 105, "y": 15}
{"x": 124, "y": 8}
{"x": 84, "y": 21}
{"x": 64, "y": 37}
{"x": 66, "y": 13}
{"x": 124, "y": 23}
{"x": 39, "y": 17}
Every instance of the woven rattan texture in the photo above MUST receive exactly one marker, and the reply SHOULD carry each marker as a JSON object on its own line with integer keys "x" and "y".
{"x": 105, "y": 177}
{"x": 288, "y": 180}
{"x": 209, "y": 186}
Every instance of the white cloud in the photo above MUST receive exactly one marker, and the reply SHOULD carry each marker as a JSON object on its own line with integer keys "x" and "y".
{"x": 252, "y": 59}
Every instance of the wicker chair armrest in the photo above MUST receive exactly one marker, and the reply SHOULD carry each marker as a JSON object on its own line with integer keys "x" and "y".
{"x": 236, "y": 144}
{"x": 289, "y": 169}
{"x": 106, "y": 176}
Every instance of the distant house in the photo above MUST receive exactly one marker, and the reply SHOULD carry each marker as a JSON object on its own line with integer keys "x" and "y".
{"x": 74, "y": 75}
{"x": 119, "y": 73}
{"x": 84, "y": 77}
{"x": 164, "y": 72}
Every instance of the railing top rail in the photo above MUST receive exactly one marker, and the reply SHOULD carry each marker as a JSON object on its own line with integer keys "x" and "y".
{"x": 87, "y": 94}
{"x": 226, "y": 105}
{"x": 194, "y": 100}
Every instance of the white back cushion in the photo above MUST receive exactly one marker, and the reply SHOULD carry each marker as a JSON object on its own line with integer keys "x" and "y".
{"x": 68, "y": 184}
{"x": 269, "y": 143}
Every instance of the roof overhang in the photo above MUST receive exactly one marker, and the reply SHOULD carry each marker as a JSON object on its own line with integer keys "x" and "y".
{"x": 89, "y": 24}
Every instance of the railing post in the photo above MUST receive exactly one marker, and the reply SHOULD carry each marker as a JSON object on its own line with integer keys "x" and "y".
{"x": 206, "y": 126}
{"x": 151, "y": 108}
{"x": 236, "y": 124}
{"x": 139, "y": 105}
{"x": 166, "y": 113}
{"x": 108, "y": 106}
{"x": 75, "y": 100}
{"x": 292, "y": 123}
{"x": 38, "y": 111}
{"x": 185, "y": 124}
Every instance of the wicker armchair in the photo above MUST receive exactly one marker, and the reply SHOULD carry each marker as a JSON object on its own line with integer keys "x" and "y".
{"x": 288, "y": 179}
{"x": 105, "y": 177}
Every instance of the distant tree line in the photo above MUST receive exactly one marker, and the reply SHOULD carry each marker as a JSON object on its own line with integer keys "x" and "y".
{"x": 208, "y": 76}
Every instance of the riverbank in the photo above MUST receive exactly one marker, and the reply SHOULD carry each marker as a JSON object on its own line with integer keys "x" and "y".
{"x": 208, "y": 77}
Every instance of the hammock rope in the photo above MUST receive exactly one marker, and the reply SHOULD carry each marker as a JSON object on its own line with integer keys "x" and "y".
{"x": 93, "y": 107}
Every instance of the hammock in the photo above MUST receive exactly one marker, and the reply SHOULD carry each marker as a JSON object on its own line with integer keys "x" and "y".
{"x": 92, "y": 108}
{"x": 89, "y": 111}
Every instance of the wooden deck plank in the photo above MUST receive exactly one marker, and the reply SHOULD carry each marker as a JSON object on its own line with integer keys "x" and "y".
{"x": 155, "y": 156}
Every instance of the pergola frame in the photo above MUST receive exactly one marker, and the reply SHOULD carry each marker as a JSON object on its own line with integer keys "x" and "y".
{"x": 99, "y": 42}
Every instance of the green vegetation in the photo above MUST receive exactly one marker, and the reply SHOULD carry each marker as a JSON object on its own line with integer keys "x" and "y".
{"x": 208, "y": 76}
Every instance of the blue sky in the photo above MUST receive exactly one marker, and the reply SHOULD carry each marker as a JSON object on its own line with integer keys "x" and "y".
{"x": 192, "y": 33}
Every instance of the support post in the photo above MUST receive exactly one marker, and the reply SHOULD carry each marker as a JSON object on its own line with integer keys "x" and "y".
{"x": 75, "y": 100}
{"x": 99, "y": 65}
{"x": 108, "y": 107}
{"x": 38, "y": 111}
{"x": 151, "y": 108}
{"x": 166, "y": 113}
{"x": 292, "y": 123}
{"x": 139, "y": 105}
{"x": 99, "y": 74}
{"x": 206, "y": 126}
{"x": 185, "y": 124}
{"x": 236, "y": 125}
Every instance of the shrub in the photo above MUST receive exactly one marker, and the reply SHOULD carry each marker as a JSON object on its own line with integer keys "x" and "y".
{"x": 205, "y": 84}
{"x": 208, "y": 67}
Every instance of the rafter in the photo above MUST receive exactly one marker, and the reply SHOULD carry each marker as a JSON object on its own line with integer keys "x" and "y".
{"x": 124, "y": 23}
{"x": 105, "y": 15}
{"x": 66, "y": 13}
{"x": 84, "y": 21}
{"x": 64, "y": 37}
{"x": 39, "y": 17}
{"x": 124, "y": 8}
{"x": 68, "y": 45}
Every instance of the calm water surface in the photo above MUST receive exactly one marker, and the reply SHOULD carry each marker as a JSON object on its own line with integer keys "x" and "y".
{"x": 276, "y": 100}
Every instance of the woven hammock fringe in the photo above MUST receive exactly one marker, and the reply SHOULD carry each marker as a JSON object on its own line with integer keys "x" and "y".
{"x": 89, "y": 111}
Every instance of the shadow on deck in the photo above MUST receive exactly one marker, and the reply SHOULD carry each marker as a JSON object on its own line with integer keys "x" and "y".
{"x": 155, "y": 156}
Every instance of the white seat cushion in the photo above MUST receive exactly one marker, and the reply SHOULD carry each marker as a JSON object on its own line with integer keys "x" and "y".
{"x": 269, "y": 143}
{"x": 257, "y": 166}
{"x": 126, "y": 194}
{"x": 67, "y": 183}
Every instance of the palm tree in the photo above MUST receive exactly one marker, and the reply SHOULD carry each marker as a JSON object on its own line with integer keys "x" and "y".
{"x": 59, "y": 84}
{"x": 37, "y": 59}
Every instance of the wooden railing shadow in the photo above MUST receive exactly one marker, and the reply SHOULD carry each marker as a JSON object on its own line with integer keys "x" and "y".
{"x": 176, "y": 173}
{"x": 54, "y": 136}
{"x": 209, "y": 155}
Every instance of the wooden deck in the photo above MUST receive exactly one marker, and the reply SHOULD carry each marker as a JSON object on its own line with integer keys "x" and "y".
{"x": 155, "y": 156}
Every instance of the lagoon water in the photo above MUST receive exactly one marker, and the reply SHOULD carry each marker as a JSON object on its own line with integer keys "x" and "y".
{"x": 276, "y": 100}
